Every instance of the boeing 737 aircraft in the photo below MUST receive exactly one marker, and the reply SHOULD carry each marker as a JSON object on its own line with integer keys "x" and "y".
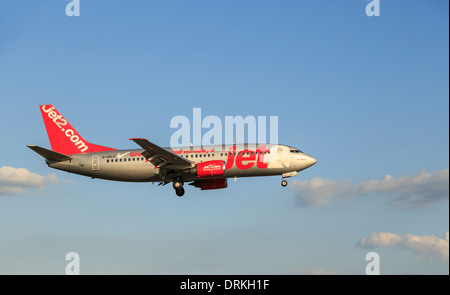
{"x": 205, "y": 168}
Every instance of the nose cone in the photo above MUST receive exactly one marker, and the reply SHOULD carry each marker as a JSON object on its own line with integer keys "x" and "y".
{"x": 303, "y": 161}
{"x": 311, "y": 161}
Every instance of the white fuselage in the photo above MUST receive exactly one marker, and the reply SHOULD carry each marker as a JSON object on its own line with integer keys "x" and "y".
{"x": 239, "y": 160}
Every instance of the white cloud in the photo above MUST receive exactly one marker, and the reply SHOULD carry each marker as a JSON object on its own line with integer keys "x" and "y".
{"x": 428, "y": 247}
{"x": 51, "y": 178}
{"x": 416, "y": 191}
{"x": 11, "y": 190}
{"x": 318, "y": 191}
{"x": 13, "y": 181}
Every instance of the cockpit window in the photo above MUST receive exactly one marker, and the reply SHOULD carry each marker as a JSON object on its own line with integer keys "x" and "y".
{"x": 295, "y": 151}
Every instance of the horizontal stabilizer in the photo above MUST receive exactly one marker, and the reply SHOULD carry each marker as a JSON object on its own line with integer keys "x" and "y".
{"x": 48, "y": 154}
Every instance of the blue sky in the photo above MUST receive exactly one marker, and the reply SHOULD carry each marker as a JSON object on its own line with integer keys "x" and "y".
{"x": 367, "y": 96}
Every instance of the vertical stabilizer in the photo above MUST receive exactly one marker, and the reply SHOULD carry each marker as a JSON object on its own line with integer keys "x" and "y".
{"x": 63, "y": 137}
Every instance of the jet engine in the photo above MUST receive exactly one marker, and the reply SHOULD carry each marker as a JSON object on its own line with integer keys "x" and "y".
{"x": 208, "y": 169}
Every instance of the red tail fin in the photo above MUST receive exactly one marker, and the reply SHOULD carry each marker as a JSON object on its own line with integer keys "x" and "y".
{"x": 63, "y": 137}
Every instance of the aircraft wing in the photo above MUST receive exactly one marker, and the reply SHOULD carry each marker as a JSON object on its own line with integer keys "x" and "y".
{"x": 161, "y": 157}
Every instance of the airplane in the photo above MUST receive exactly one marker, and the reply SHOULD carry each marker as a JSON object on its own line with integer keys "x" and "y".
{"x": 206, "y": 168}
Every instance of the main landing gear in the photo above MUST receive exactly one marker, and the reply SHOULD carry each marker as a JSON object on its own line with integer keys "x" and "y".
{"x": 178, "y": 186}
{"x": 283, "y": 182}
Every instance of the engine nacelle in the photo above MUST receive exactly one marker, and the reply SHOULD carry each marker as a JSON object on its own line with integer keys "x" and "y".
{"x": 206, "y": 184}
{"x": 210, "y": 168}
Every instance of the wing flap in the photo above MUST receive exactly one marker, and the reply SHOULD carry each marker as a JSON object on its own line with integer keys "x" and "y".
{"x": 159, "y": 156}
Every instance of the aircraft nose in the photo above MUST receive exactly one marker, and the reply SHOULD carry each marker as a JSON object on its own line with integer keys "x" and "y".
{"x": 311, "y": 161}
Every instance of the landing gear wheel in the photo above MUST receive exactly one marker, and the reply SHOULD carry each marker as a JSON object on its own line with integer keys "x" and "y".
{"x": 283, "y": 182}
{"x": 177, "y": 184}
{"x": 180, "y": 191}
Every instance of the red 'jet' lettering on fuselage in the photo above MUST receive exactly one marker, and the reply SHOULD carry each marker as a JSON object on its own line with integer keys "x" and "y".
{"x": 249, "y": 159}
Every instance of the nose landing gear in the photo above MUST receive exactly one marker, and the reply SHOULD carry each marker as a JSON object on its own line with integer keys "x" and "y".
{"x": 285, "y": 175}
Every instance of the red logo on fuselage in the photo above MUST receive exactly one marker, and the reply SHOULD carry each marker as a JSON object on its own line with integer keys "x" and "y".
{"x": 245, "y": 159}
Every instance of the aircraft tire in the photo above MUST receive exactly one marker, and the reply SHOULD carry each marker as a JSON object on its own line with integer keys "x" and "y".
{"x": 284, "y": 183}
{"x": 180, "y": 191}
